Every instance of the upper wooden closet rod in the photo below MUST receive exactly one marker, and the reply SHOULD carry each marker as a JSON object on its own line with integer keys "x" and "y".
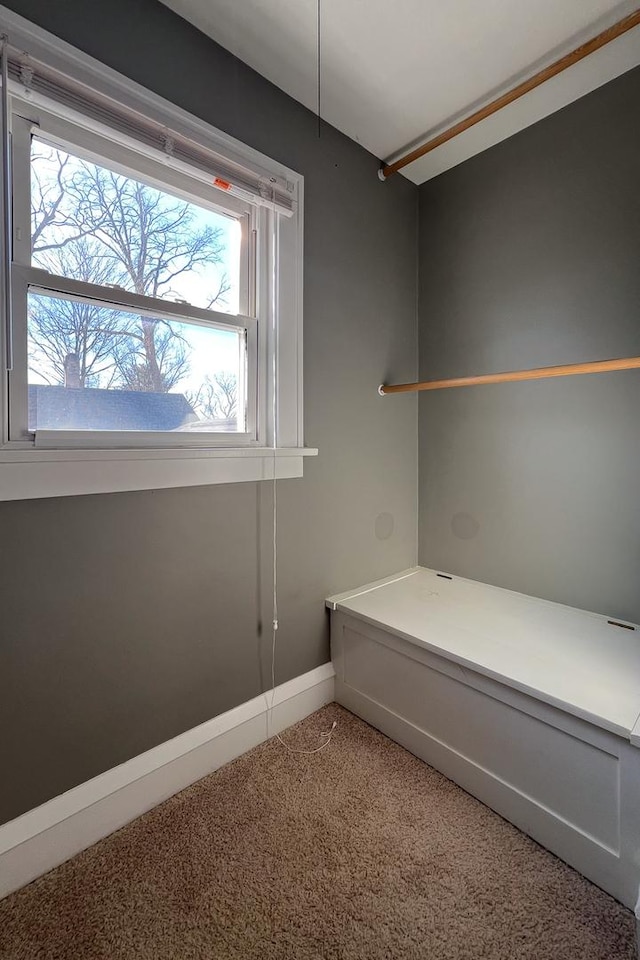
{"x": 611, "y": 33}
{"x": 539, "y": 373}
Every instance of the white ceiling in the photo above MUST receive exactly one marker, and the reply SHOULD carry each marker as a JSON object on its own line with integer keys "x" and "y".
{"x": 394, "y": 72}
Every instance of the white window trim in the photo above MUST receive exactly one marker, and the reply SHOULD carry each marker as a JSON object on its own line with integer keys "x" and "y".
{"x": 26, "y": 472}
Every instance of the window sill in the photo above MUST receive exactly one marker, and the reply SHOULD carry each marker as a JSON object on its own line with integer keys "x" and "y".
{"x": 33, "y": 474}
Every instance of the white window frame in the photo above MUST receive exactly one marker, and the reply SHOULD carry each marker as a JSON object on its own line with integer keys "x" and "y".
{"x": 57, "y": 464}
{"x": 27, "y": 120}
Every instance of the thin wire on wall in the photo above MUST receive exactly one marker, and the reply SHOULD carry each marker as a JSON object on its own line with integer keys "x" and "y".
{"x": 318, "y": 37}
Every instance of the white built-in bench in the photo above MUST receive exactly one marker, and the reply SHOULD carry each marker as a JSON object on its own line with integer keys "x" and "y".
{"x": 531, "y": 706}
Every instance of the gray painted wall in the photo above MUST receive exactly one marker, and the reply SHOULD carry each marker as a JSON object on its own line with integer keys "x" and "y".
{"x": 129, "y": 618}
{"x": 530, "y": 256}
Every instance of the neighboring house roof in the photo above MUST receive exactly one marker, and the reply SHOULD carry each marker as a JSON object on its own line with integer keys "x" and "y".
{"x": 65, "y": 408}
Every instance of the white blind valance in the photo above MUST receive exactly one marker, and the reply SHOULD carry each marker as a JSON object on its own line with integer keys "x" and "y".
{"x": 42, "y": 82}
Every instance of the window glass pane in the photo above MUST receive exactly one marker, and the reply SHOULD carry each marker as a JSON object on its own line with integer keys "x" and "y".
{"x": 93, "y": 367}
{"x": 93, "y": 224}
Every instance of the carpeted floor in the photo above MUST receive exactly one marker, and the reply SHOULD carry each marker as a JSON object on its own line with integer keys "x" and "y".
{"x": 360, "y": 851}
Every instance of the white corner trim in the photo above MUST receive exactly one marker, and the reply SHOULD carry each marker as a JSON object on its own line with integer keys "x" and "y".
{"x": 635, "y": 740}
{"x": 45, "y": 837}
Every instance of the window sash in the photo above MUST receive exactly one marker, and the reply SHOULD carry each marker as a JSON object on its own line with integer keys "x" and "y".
{"x": 118, "y": 297}
{"x": 35, "y": 280}
{"x": 25, "y": 278}
{"x": 101, "y": 150}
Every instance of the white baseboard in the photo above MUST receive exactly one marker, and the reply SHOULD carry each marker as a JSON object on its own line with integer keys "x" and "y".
{"x": 42, "y": 838}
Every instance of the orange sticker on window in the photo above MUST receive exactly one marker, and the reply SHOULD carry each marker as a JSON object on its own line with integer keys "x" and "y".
{"x": 223, "y": 184}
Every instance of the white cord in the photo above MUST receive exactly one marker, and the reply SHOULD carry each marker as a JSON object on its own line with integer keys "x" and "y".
{"x": 274, "y": 623}
{"x": 326, "y": 736}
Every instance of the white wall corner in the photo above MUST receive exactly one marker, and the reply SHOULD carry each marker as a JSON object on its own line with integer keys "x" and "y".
{"x": 46, "y": 836}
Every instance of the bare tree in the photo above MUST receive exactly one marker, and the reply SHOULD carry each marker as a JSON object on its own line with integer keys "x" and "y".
{"x": 150, "y": 240}
{"x": 141, "y": 239}
{"x": 154, "y": 338}
{"x": 217, "y": 398}
{"x": 52, "y": 225}
{"x": 59, "y": 328}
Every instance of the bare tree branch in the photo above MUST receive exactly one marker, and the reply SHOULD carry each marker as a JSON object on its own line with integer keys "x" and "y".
{"x": 93, "y": 224}
{"x": 217, "y": 397}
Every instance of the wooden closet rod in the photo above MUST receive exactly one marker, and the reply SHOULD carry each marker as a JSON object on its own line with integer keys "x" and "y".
{"x": 568, "y": 370}
{"x": 611, "y": 33}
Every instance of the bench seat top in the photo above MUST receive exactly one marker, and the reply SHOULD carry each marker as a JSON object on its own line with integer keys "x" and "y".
{"x": 577, "y": 661}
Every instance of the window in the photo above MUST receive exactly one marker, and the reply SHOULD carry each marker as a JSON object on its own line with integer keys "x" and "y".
{"x": 131, "y": 298}
{"x": 155, "y": 308}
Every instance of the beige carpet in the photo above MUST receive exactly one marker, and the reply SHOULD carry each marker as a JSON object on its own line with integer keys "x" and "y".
{"x": 360, "y": 851}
